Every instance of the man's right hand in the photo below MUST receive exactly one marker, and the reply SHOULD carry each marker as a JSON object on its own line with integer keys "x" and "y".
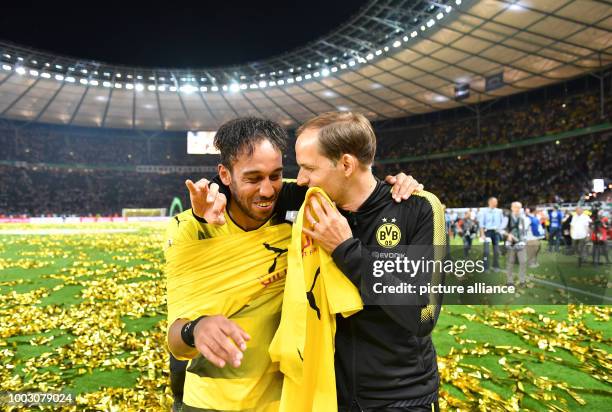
{"x": 207, "y": 202}
{"x": 220, "y": 340}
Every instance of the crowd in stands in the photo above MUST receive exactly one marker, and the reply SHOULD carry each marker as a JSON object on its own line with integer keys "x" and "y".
{"x": 44, "y": 192}
{"x": 498, "y": 125}
{"x": 541, "y": 173}
{"x": 544, "y": 172}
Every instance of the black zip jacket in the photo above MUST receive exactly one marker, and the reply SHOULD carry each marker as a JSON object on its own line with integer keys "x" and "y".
{"x": 384, "y": 354}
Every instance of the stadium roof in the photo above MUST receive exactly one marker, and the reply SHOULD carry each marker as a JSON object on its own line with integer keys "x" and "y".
{"x": 394, "y": 58}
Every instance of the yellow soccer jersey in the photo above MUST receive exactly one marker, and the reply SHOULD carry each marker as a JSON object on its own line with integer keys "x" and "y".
{"x": 256, "y": 384}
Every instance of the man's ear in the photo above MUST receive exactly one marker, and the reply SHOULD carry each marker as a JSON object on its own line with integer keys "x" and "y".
{"x": 224, "y": 174}
{"x": 348, "y": 163}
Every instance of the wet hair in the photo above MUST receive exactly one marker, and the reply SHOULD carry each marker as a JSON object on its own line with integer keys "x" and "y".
{"x": 240, "y": 136}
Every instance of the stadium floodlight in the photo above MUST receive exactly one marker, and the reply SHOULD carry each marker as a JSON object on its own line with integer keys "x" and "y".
{"x": 343, "y": 66}
{"x": 290, "y": 80}
{"x": 386, "y": 48}
{"x": 93, "y": 82}
{"x": 172, "y": 88}
{"x": 84, "y": 71}
{"x": 34, "y": 61}
{"x": 414, "y": 34}
{"x": 214, "y": 89}
{"x": 203, "y": 88}
{"x": 118, "y": 86}
{"x": 458, "y": 2}
{"x": 343, "y": 108}
{"x": 280, "y": 82}
{"x": 439, "y": 16}
{"x": 118, "y": 75}
{"x": 405, "y": 38}
{"x": 423, "y": 28}
{"x": 361, "y": 59}
{"x": 272, "y": 83}
{"x": 370, "y": 56}
{"x": 334, "y": 69}
{"x": 83, "y": 81}
{"x": 6, "y": 67}
{"x": 129, "y": 86}
{"x": 234, "y": 87}
{"x": 70, "y": 79}
{"x": 326, "y": 61}
{"x": 58, "y": 66}
{"x": 298, "y": 78}
{"x": 20, "y": 71}
{"x": 378, "y": 52}
{"x": 448, "y": 8}
{"x": 309, "y": 65}
{"x": 34, "y": 73}
{"x": 161, "y": 88}
{"x": 263, "y": 84}
{"x": 308, "y": 76}
{"x": 430, "y": 22}
{"x": 243, "y": 86}
{"x": 397, "y": 43}
{"x": 8, "y": 56}
{"x": 71, "y": 69}
{"x": 325, "y": 72}
{"x": 253, "y": 86}
{"x": 151, "y": 87}
{"x": 139, "y": 77}
{"x": 59, "y": 77}
{"x": 291, "y": 70}
{"x": 224, "y": 87}
{"x": 139, "y": 87}
{"x": 45, "y": 75}
{"x": 316, "y": 74}
{"x": 351, "y": 63}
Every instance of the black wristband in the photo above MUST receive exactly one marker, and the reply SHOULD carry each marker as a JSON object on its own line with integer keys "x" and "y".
{"x": 187, "y": 331}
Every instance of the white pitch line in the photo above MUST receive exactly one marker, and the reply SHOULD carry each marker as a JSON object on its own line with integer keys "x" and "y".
{"x": 64, "y": 231}
{"x": 584, "y": 292}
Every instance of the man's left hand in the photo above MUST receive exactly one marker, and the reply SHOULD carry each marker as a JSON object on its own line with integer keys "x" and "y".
{"x": 326, "y": 225}
{"x": 403, "y": 186}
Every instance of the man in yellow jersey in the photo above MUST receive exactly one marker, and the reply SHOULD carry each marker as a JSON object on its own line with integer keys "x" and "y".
{"x": 229, "y": 366}
{"x": 385, "y": 359}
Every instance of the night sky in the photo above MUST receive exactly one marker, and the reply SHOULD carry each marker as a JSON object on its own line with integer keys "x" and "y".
{"x": 206, "y": 34}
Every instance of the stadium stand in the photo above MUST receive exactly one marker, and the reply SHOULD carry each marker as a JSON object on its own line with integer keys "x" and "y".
{"x": 46, "y": 167}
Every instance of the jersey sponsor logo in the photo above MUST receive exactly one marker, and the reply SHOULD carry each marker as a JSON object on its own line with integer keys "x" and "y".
{"x": 388, "y": 234}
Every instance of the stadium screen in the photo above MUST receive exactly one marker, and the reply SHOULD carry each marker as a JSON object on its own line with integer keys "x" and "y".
{"x": 201, "y": 143}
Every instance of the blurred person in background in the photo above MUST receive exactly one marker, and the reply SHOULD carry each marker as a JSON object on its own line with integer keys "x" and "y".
{"x": 579, "y": 231}
{"x": 565, "y": 227}
{"x": 554, "y": 229}
{"x": 469, "y": 229}
{"x": 599, "y": 236}
{"x": 490, "y": 221}
{"x": 517, "y": 231}
{"x": 534, "y": 236}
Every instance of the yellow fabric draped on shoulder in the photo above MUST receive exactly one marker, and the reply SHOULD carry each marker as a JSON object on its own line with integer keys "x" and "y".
{"x": 315, "y": 291}
{"x": 240, "y": 276}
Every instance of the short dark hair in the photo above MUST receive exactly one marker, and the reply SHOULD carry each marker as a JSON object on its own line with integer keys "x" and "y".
{"x": 240, "y": 135}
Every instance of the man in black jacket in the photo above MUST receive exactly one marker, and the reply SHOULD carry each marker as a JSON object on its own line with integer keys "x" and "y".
{"x": 385, "y": 358}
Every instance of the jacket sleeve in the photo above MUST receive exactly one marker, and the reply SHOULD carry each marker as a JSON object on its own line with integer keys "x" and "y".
{"x": 355, "y": 260}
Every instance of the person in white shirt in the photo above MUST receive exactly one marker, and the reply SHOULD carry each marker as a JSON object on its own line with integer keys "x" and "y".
{"x": 579, "y": 231}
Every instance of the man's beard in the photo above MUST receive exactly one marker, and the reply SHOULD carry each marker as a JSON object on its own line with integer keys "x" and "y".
{"x": 244, "y": 207}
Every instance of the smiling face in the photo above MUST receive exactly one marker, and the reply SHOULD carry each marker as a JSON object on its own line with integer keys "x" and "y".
{"x": 316, "y": 169}
{"x": 254, "y": 182}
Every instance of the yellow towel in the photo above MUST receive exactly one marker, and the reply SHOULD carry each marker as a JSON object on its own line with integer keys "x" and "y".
{"x": 240, "y": 276}
{"x": 315, "y": 290}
